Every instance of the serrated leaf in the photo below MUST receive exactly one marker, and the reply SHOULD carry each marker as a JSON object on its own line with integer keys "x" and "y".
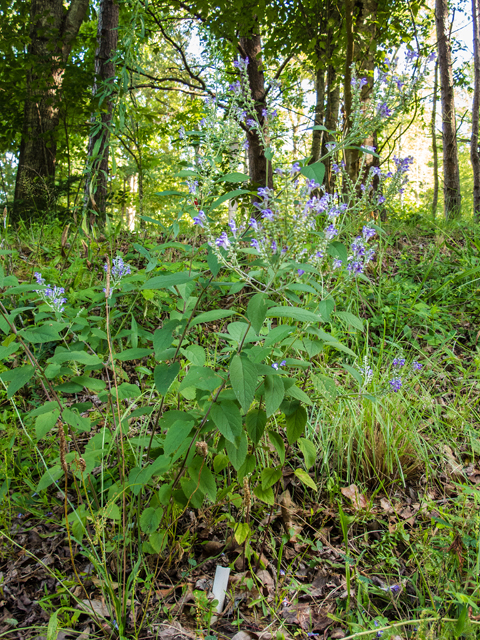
{"x": 296, "y": 424}
{"x": 76, "y": 421}
{"x": 211, "y": 316}
{"x": 201, "y": 378}
{"x": 162, "y": 339}
{"x": 158, "y": 540}
{"x": 309, "y": 451}
{"x": 278, "y": 443}
{"x": 126, "y": 390}
{"x": 274, "y": 393}
{"x": 45, "y": 422}
{"x": 295, "y": 313}
{"x": 237, "y": 453}
{"x": 164, "y": 375}
{"x": 41, "y": 334}
{"x": 234, "y": 177}
{"x": 255, "y": 422}
{"x": 150, "y": 519}
{"x": 220, "y": 462}
{"x": 305, "y": 479}
{"x": 49, "y": 477}
{"x": 325, "y": 308}
{"x": 325, "y": 385}
{"x": 243, "y": 377}
{"x": 270, "y": 476}
{"x": 277, "y": 334}
{"x": 82, "y": 357}
{"x": 17, "y": 377}
{"x": 315, "y": 171}
{"x": 351, "y": 319}
{"x": 167, "y": 280}
{"x": 257, "y": 310}
{"x": 204, "y": 478}
{"x": 9, "y": 350}
{"x": 228, "y": 420}
{"x": 294, "y": 392}
{"x": 265, "y": 495}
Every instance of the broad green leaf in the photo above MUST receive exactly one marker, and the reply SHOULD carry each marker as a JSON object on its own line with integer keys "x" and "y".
{"x": 295, "y": 313}
{"x": 167, "y": 280}
{"x": 325, "y": 385}
{"x": 234, "y": 177}
{"x": 243, "y": 377}
{"x": 220, "y": 462}
{"x": 241, "y": 332}
{"x": 325, "y": 308}
{"x": 150, "y": 519}
{"x": 303, "y": 476}
{"x": 237, "y": 453}
{"x": 75, "y": 356}
{"x": 351, "y": 319}
{"x": 176, "y": 435}
{"x": 226, "y": 417}
{"x": 203, "y": 477}
{"x": 49, "y": 477}
{"x": 162, "y": 339}
{"x": 294, "y": 392}
{"x": 76, "y": 421}
{"x": 158, "y": 540}
{"x": 93, "y": 384}
{"x": 211, "y": 316}
{"x": 18, "y": 378}
{"x": 274, "y": 393}
{"x": 45, "y": 422}
{"x": 227, "y": 196}
{"x": 313, "y": 347}
{"x": 255, "y": 422}
{"x": 242, "y": 532}
{"x": 295, "y": 424}
{"x": 353, "y": 372}
{"x": 338, "y": 250}
{"x": 41, "y": 334}
{"x": 277, "y": 441}
{"x": 309, "y": 451}
{"x": 315, "y": 171}
{"x": 195, "y": 354}
{"x": 201, "y": 378}
{"x": 257, "y": 310}
{"x": 277, "y": 334}
{"x": 9, "y": 350}
{"x": 127, "y": 390}
{"x": 164, "y": 375}
{"x": 265, "y": 495}
{"x": 133, "y": 354}
{"x": 270, "y": 476}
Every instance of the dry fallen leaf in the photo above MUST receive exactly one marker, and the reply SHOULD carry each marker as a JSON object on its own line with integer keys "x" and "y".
{"x": 99, "y": 607}
{"x": 358, "y": 500}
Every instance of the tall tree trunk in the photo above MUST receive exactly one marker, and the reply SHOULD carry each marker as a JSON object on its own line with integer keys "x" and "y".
{"x": 331, "y": 121}
{"x": 434, "y": 143}
{"x": 52, "y": 31}
{"x": 474, "y": 154}
{"x": 96, "y": 185}
{"x": 317, "y": 136}
{"x": 451, "y": 172}
{"x": 260, "y": 170}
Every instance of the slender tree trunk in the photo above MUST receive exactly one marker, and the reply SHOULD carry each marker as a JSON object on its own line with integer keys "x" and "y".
{"x": 317, "y": 136}
{"x": 331, "y": 121}
{"x": 347, "y": 85}
{"x": 260, "y": 170}
{"x": 52, "y": 31}
{"x": 96, "y": 186}
{"x": 451, "y": 172}
{"x": 434, "y": 143}
{"x": 474, "y": 154}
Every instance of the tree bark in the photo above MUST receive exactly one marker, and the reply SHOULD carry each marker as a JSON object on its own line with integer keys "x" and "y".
{"x": 451, "y": 172}
{"x": 96, "y": 185}
{"x": 434, "y": 143}
{"x": 331, "y": 121}
{"x": 474, "y": 154}
{"x": 259, "y": 169}
{"x": 317, "y": 136}
{"x": 52, "y": 31}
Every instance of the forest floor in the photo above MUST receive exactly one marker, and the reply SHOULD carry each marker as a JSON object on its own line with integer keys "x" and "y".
{"x": 387, "y": 546}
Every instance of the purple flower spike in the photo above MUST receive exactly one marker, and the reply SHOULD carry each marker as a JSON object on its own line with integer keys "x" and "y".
{"x": 337, "y": 263}
{"x": 300, "y": 272}
{"x": 283, "y": 363}
{"x": 330, "y": 232}
{"x": 368, "y": 232}
{"x": 254, "y": 244}
{"x": 233, "y": 227}
{"x": 396, "y": 384}
{"x": 275, "y": 366}
{"x": 398, "y": 362}
{"x": 416, "y": 366}
{"x": 295, "y": 168}
{"x": 253, "y": 223}
{"x": 223, "y": 241}
{"x": 201, "y": 219}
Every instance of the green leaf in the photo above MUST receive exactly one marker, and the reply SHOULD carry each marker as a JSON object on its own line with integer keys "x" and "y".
{"x": 9, "y": 350}
{"x": 270, "y": 476}
{"x": 295, "y": 313}
{"x": 167, "y": 280}
{"x": 309, "y": 451}
{"x": 176, "y": 436}
{"x": 325, "y": 385}
{"x": 255, "y": 422}
{"x": 132, "y": 354}
{"x": 201, "y": 378}
{"x": 353, "y": 372}
{"x": 351, "y": 319}
{"x": 237, "y": 454}
{"x": 162, "y": 339}
{"x": 164, "y": 375}
{"x": 278, "y": 443}
{"x": 52, "y": 629}
{"x": 277, "y": 334}
{"x": 41, "y": 334}
{"x": 265, "y": 495}
{"x": 294, "y": 392}
{"x": 257, "y": 310}
{"x": 127, "y": 390}
{"x": 226, "y": 417}
{"x": 211, "y": 316}
{"x": 75, "y": 356}
{"x": 325, "y": 308}
{"x": 303, "y": 476}
{"x": 243, "y": 377}
{"x": 274, "y": 393}
{"x": 213, "y": 263}
{"x": 18, "y": 378}
{"x": 158, "y": 540}
{"x": 49, "y": 477}
{"x": 315, "y": 171}
{"x": 150, "y": 519}
{"x": 203, "y": 477}
{"x": 76, "y": 421}
{"x": 169, "y": 192}
{"x": 242, "y": 532}
{"x": 234, "y": 177}
{"x": 93, "y": 384}
{"x": 227, "y": 196}
{"x": 338, "y": 250}
{"x": 195, "y": 354}
{"x": 220, "y": 462}
{"x": 45, "y": 422}
{"x": 295, "y": 424}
